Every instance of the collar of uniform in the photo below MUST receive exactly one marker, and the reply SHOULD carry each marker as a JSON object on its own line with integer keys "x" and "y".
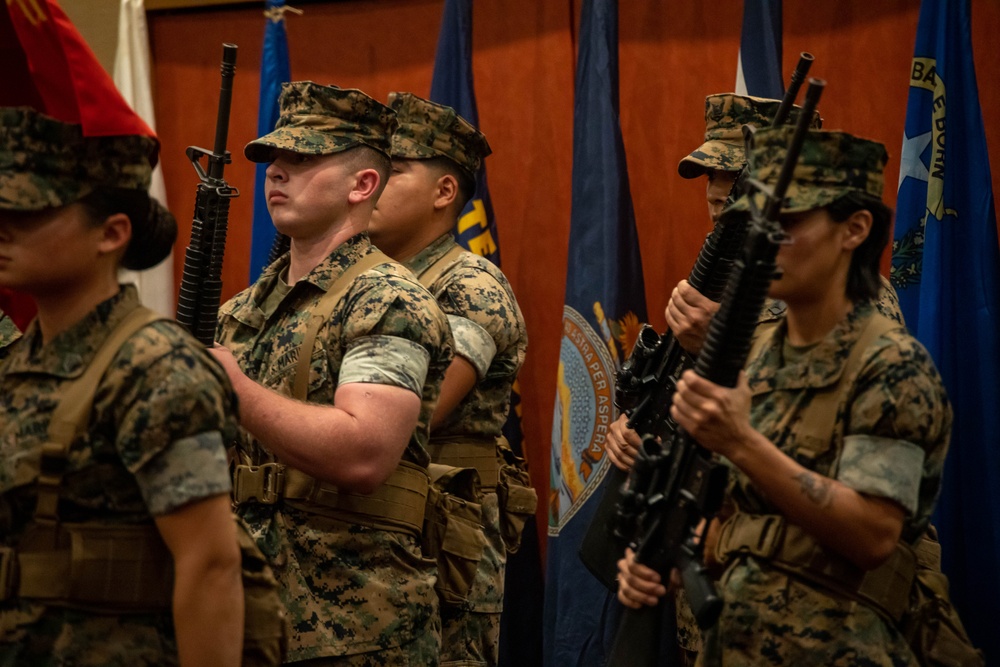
{"x": 250, "y": 311}
{"x": 424, "y": 259}
{"x": 247, "y": 309}
{"x": 8, "y": 332}
{"x": 344, "y": 256}
{"x": 820, "y": 367}
{"x": 68, "y": 354}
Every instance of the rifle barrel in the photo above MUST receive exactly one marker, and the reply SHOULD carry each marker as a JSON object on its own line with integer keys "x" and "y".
{"x": 798, "y": 76}
{"x": 218, "y": 160}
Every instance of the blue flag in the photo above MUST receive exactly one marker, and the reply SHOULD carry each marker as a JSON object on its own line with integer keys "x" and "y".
{"x": 476, "y": 231}
{"x": 605, "y": 303}
{"x": 452, "y": 85}
{"x": 946, "y": 268}
{"x": 758, "y": 65}
{"x": 274, "y": 71}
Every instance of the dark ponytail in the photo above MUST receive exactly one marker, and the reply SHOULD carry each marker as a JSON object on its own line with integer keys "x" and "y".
{"x": 154, "y": 230}
{"x": 863, "y": 280}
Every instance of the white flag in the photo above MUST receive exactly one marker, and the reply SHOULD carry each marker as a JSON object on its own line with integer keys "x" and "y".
{"x": 131, "y": 75}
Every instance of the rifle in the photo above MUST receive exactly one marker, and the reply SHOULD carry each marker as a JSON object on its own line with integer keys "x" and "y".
{"x": 646, "y": 382}
{"x": 279, "y": 247}
{"x": 678, "y": 484}
{"x": 201, "y": 284}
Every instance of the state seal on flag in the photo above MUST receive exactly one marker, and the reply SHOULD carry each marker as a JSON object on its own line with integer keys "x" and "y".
{"x": 584, "y": 412}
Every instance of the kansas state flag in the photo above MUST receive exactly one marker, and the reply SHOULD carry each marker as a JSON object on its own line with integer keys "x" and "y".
{"x": 275, "y": 69}
{"x": 758, "y": 65}
{"x": 946, "y": 268}
{"x": 605, "y": 302}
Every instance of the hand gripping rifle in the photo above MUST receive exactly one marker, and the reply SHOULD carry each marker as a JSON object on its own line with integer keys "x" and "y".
{"x": 201, "y": 284}
{"x": 678, "y": 485}
{"x": 646, "y": 382}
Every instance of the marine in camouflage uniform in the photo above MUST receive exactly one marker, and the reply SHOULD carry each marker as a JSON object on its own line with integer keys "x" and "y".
{"x": 358, "y": 592}
{"x": 720, "y": 158}
{"x": 155, "y": 443}
{"x": 160, "y": 416}
{"x": 489, "y": 333}
{"x": 724, "y": 150}
{"x": 891, "y": 436}
{"x": 880, "y": 434}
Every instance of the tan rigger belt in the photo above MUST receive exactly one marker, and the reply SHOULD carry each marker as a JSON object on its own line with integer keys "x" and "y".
{"x": 396, "y": 505}
{"x": 468, "y": 452}
{"x": 90, "y": 566}
{"x": 790, "y": 549}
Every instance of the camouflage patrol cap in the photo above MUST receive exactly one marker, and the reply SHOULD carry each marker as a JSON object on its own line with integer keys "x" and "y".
{"x": 429, "y": 130}
{"x": 322, "y": 120}
{"x": 831, "y": 165}
{"x": 725, "y": 116}
{"x": 47, "y": 163}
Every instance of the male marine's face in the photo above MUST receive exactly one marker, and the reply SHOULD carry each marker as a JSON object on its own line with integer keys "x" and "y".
{"x": 407, "y": 205}
{"x": 306, "y": 193}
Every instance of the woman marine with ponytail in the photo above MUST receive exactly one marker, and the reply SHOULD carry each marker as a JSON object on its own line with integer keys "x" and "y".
{"x": 117, "y": 545}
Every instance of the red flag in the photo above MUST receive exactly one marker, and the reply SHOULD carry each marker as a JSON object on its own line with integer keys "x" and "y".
{"x": 53, "y": 70}
{"x": 17, "y": 306}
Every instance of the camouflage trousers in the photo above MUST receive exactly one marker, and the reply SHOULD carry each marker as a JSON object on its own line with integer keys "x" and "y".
{"x": 470, "y": 635}
{"x": 421, "y": 652}
{"x": 56, "y": 636}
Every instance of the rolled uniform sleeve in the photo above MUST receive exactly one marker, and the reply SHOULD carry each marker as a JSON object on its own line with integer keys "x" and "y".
{"x": 386, "y": 360}
{"x": 394, "y": 334}
{"x": 188, "y": 469}
{"x": 898, "y": 430}
{"x": 174, "y": 419}
{"x": 473, "y": 343}
{"x": 486, "y": 321}
{"x": 883, "y": 467}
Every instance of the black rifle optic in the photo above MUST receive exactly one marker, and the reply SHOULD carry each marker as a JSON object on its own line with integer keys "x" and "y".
{"x": 678, "y": 485}
{"x": 646, "y": 382}
{"x": 201, "y": 284}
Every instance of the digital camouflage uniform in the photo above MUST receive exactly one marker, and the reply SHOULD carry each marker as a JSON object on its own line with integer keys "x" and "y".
{"x": 155, "y": 443}
{"x": 356, "y": 595}
{"x": 489, "y": 332}
{"x": 160, "y": 415}
{"x": 890, "y": 437}
{"x": 8, "y": 333}
{"x": 724, "y": 149}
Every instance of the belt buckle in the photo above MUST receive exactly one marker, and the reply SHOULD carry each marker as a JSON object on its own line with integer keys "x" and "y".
{"x": 8, "y": 568}
{"x": 263, "y": 484}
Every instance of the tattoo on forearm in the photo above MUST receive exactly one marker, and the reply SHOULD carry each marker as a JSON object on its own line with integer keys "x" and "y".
{"x": 816, "y": 488}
